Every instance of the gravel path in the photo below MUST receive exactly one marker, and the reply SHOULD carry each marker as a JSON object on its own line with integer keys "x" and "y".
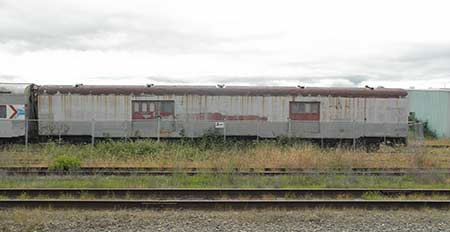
{"x": 249, "y": 220}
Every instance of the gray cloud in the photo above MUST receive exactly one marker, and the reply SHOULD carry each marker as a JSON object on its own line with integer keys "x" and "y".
{"x": 112, "y": 78}
{"x": 67, "y": 27}
{"x": 357, "y": 79}
{"x": 165, "y": 79}
{"x": 418, "y": 62}
{"x": 60, "y": 25}
{"x": 426, "y": 53}
{"x": 412, "y": 62}
{"x": 9, "y": 78}
{"x": 81, "y": 29}
{"x": 353, "y": 80}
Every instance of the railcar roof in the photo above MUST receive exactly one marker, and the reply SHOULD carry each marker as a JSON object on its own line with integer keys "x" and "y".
{"x": 216, "y": 91}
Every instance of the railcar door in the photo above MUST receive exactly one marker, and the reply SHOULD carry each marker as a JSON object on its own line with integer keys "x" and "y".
{"x": 304, "y": 117}
{"x": 149, "y": 115}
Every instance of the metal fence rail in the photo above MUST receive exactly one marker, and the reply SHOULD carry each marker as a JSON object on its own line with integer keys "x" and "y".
{"x": 165, "y": 128}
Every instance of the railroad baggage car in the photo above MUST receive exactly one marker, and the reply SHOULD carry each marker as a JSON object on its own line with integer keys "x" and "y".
{"x": 192, "y": 111}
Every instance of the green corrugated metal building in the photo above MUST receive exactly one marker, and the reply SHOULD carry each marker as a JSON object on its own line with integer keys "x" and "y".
{"x": 433, "y": 106}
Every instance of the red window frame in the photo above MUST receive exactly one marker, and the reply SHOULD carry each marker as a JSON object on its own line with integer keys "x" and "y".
{"x": 151, "y": 109}
{"x": 304, "y": 111}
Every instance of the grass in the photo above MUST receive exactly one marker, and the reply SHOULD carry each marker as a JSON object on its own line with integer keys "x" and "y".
{"x": 438, "y": 142}
{"x": 372, "y": 196}
{"x": 207, "y": 153}
{"x": 366, "y": 196}
{"x": 227, "y": 181}
{"x": 379, "y": 196}
{"x": 65, "y": 163}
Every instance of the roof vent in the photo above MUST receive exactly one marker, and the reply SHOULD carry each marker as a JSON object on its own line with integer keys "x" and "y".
{"x": 78, "y": 85}
{"x": 150, "y": 85}
{"x": 300, "y": 86}
{"x": 220, "y": 86}
{"x": 368, "y": 87}
{"x": 380, "y": 87}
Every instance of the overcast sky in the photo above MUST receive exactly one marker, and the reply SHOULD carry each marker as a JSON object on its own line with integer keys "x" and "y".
{"x": 313, "y": 43}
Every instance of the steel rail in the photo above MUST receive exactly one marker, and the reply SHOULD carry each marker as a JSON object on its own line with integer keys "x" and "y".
{"x": 437, "y": 146}
{"x": 222, "y": 204}
{"x": 136, "y": 171}
{"x": 210, "y": 193}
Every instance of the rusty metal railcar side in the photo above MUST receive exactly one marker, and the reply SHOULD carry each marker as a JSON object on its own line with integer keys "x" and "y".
{"x": 245, "y": 111}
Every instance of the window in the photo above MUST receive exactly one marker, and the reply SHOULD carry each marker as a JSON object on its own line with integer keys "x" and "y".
{"x": 136, "y": 107}
{"x": 307, "y": 111}
{"x": 314, "y": 107}
{"x": 166, "y": 107}
{"x": 143, "y": 107}
{"x": 152, "y": 109}
{"x": 2, "y": 111}
{"x": 305, "y": 107}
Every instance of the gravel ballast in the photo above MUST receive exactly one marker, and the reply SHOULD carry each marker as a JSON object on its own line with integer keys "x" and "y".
{"x": 227, "y": 220}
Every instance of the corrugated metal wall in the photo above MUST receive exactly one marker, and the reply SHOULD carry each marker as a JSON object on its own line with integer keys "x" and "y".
{"x": 432, "y": 106}
{"x": 271, "y": 108}
{"x": 384, "y": 116}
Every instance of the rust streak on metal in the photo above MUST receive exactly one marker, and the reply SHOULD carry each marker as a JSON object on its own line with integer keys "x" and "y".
{"x": 216, "y": 116}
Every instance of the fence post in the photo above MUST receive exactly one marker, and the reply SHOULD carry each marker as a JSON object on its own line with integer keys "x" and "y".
{"x": 127, "y": 130}
{"x": 59, "y": 134}
{"x": 158, "y": 128}
{"x": 289, "y": 128}
{"x": 224, "y": 130}
{"x": 26, "y": 135}
{"x": 353, "y": 135}
{"x": 257, "y": 130}
{"x": 364, "y": 133}
{"x": 130, "y": 130}
{"x": 191, "y": 128}
{"x": 93, "y": 132}
{"x": 321, "y": 134}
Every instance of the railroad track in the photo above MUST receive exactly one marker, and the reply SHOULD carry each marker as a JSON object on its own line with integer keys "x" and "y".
{"x": 215, "y": 193}
{"x": 215, "y": 198}
{"x": 223, "y": 204}
{"x": 133, "y": 171}
{"x": 437, "y": 146}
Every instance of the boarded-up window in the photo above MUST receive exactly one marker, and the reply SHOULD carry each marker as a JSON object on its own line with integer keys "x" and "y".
{"x": 136, "y": 107}
{"x": 2, "y": 111}
{"x": 306, "y": 111}
{"x": 166, "y": 108}
{"x": 152, "y": 109}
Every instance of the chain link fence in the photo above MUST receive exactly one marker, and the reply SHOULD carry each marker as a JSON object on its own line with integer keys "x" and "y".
{"x": 91, "y": 132}
{"x": 416, "y": 137}
{"x": 348, "y": 131}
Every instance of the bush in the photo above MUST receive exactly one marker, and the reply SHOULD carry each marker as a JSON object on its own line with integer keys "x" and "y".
{"x": 427, "y": 131}
{"x": 212, "y": 139}
{"x": 372, "y": 196}
{"x": 65, "y": 163}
